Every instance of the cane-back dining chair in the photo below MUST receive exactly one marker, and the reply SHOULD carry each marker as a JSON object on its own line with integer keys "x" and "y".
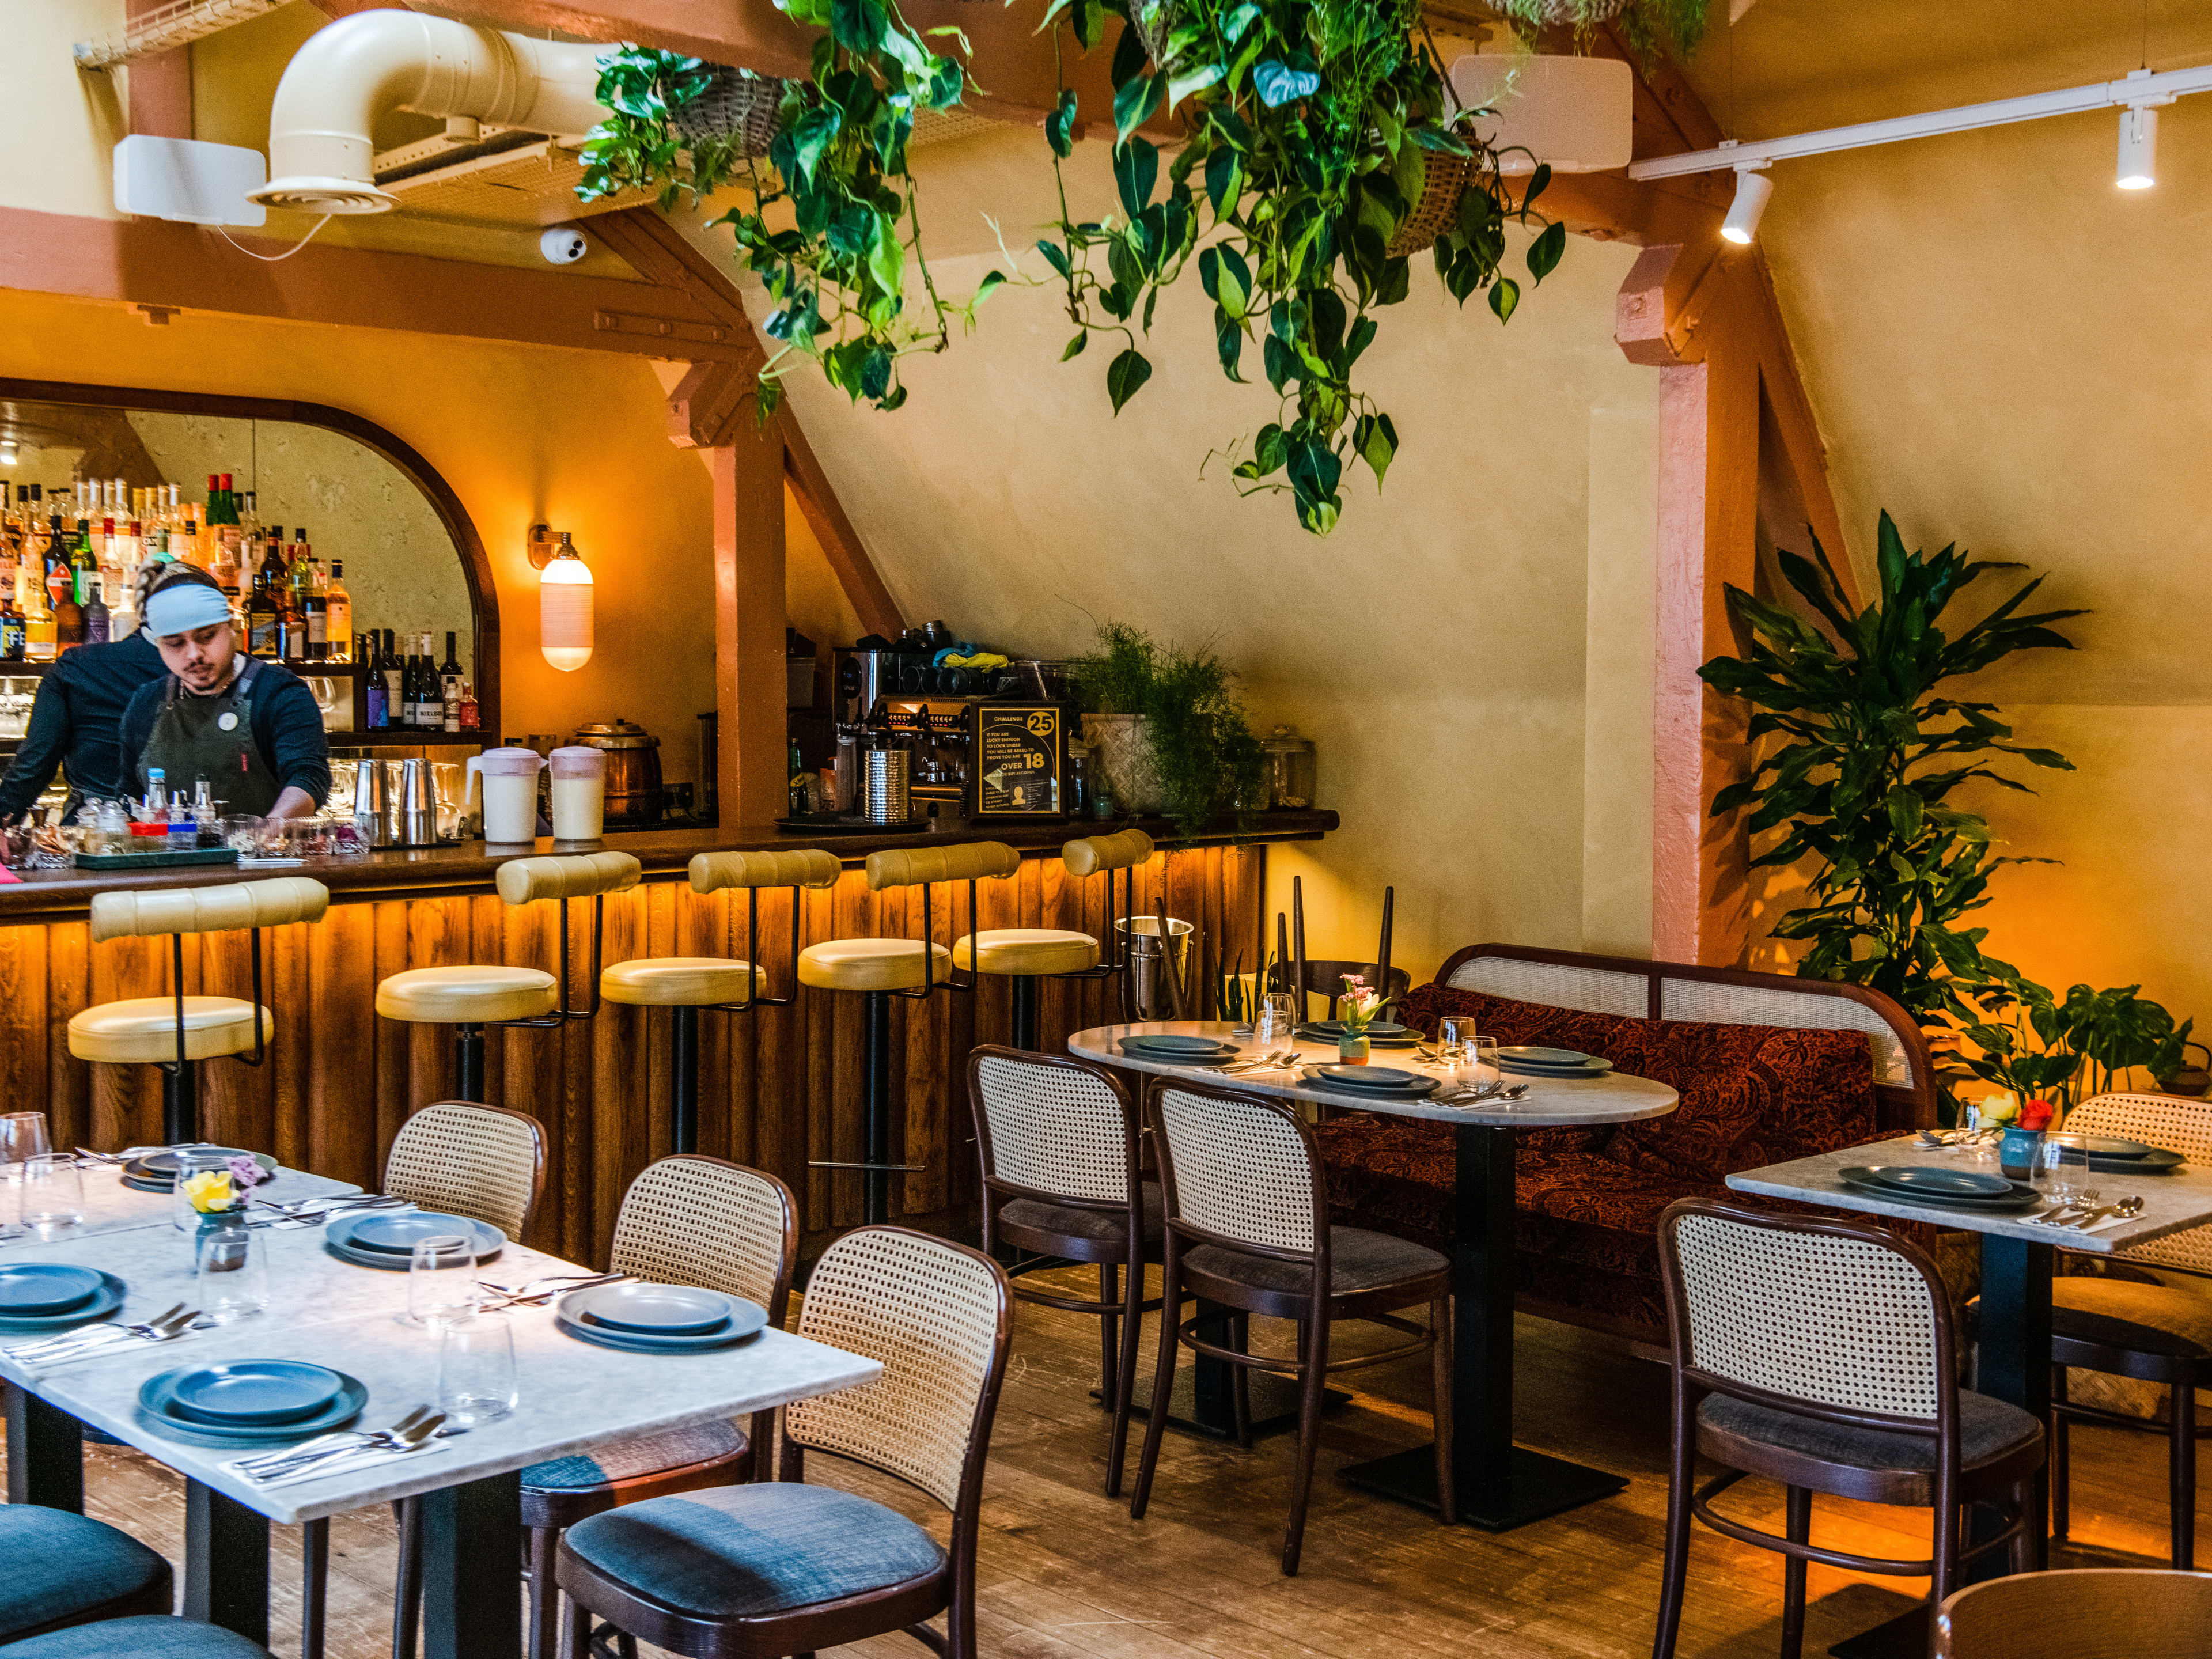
{"x": 1247, "y": 1227}
{"x": 781, "y": 1567}
{"x": 686, "y": 1220}
{"x": 2145, "y": 1327}
{"x": 1819, "y": 1354}
{"x": 1060, "y": 1145}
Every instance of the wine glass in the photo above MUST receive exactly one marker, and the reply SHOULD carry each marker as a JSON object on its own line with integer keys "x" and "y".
{"x": 441, "y": 1282}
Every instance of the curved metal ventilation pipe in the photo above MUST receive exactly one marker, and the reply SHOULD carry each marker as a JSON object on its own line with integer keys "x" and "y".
{"x": 361, "y": 67}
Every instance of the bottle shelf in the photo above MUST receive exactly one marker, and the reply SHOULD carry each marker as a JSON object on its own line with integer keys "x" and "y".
{"x": 400, "y": 737}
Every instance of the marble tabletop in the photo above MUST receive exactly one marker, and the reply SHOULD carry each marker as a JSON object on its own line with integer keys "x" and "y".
{"x": 111, "y": 1207}
{"x": 573, "y": 1395}
{"x": 2172, "y": 1203}
{"x": 1550, "y": 1103}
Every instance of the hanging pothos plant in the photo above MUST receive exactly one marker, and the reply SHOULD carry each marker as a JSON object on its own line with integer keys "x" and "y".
{"x": 835, "y": 260}
{"x": 1323, "y": 148}
{"x": 1645, "y": 25}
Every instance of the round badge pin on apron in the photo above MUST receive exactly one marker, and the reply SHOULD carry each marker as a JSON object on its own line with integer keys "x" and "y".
{"x": 228, "y": 720}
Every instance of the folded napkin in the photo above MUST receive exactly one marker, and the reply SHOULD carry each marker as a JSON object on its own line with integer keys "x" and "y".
{"x": 2068, "y": 1228}
{"x": 350, "y": 1463}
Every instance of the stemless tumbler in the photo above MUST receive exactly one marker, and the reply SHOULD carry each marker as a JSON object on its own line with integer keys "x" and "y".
{"x": 442, "y": 1281}
{"x": 233, "y": 1277}
{"x": 52, "y": 1194}
{"x": 476, "y": 1370}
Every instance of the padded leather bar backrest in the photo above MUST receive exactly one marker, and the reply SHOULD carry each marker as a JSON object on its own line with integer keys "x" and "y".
{"x": 910, "y": 867}
{"x": 269, "y": 903}
{"x": 799, "y": 867}
{"x": 1092, "y": 853}
{"x": 567, "y": 875}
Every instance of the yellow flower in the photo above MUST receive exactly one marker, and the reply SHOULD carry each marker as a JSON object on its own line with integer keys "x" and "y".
{"x": 211, "y": 1191}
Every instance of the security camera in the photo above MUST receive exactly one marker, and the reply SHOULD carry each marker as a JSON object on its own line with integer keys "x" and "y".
{"x": 563, "y": 244}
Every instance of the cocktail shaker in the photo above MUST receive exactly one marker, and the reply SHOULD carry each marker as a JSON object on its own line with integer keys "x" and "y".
{"x": 418, "y": 804}
{"x": 376, "y": 803}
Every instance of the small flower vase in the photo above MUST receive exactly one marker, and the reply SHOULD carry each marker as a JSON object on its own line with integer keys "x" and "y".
{"x": 1351, "y": 1049}
{"x": 218, "y": 1225}
{"x": 2019, "y": 1152}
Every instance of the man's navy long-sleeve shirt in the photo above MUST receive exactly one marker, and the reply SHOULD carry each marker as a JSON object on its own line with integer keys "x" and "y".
{"x": 76, "y": 721}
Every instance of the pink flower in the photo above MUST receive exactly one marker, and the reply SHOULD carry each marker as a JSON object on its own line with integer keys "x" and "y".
{"x": 245, "y": 1172}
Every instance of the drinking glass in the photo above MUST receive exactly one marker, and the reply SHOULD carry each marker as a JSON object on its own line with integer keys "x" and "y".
{"x": 233, "y": 1273}
{"x": 1271, "y": 1021}
{"x": 192, "y": 1161}
{"x": 2065, "y": 1168}
{"x": 476, "y": 1370}
{"x": 1454, "y": 1033}
{"x": 441, "y": 1282}
{"x": 22, "y": 1135}
{"x": 52, "y": 1194}
{"x": 1475, "y": 1065}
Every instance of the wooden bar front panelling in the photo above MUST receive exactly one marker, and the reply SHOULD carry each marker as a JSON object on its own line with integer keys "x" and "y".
{"x": 781, "y": 1088}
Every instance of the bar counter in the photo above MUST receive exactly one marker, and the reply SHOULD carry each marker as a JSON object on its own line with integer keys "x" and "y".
{"x": 781, "y": 1088}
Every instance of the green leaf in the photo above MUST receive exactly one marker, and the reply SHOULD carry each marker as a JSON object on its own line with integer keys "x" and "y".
{"x": 1129, "y": 58}
{"x": 1135, "y": 104}
{"x": 1136, "y": 170}
{"x": 1376, "y": 440}
{"x": 1185, "y": 82}
{"x": 858, "y": 26}
{"x": 1279, "y": 83}
{"x": 1505, "y": 295}
{"x": 991, "y": 284}
{"x": 1075, "y": 346}
{"x": 1229, "y": 344}
{"x": 1126, "y": 376}
{"x": 1054, "y": 257}
{"x": 1544, "y": 252}
{"x": 1440, "y": 139}
{"x": 1225, "y": 179}
{"x": 1060, "y": 126}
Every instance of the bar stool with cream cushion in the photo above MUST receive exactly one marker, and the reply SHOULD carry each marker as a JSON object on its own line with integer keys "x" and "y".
{"x": 882, "y": 969}
{"x": 687, "y": 986}
{"x": 783, "y": 1566}
{"x": 470, "y": 997}
{"x": 173, "y": 1031}
{"x": 684, "y": 1221}
{"x": 1029, "y": 954}
{"x": 2138, "y": 1336}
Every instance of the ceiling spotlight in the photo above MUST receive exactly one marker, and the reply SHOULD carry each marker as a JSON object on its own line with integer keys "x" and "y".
{"x": 1753, "y": 187}
{"x": 2138, "y": 148}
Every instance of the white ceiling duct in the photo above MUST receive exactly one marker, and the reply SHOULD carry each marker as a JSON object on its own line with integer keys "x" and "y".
{"x": 361, "y": 67}
{"x": 1575, "y": 113}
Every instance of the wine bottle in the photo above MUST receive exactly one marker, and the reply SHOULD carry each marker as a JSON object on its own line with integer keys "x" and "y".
{"x": 449, "y": 686}
{"x": 338, "y": 624}
{"x": 378, "y": 700}
{"x": 396, "y": 708}
{"x": 61, "y": 589}
{"x": 264, "y": 618}
{"x": 429, "y": 694}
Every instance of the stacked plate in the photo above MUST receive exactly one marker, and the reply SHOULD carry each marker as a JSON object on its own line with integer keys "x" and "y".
{"x": 1381, "y": 1033}
{"x": 638, "y": 1318}
{"x": 1178, "y": 1049}
{"x": 384, "y": 1239}
{"x": 156, "y": 1172}
{"x": 41, "y": 1298}
{"x": 1378, "y": 1082}
{"x": 2117, "y": 1156}
{"x": 1523, "y": 1060}
{"x": 251, "y": 1402}
{"x": 1920, "y": 1183}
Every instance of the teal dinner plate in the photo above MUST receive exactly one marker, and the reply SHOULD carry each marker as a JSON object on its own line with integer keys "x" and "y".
{"x": 1923, "y": 1178}
{"x": 42, "y": 1289}
{"x": 2156, "y": 1161}
{"x": 1372, "y": 1076}
{"x": 388, "y": 1232}
{"x": 1190, "y": 1040}
{"x": 163, "y": 1187}
{"x": 1594, "y": 1069}
{"x": 103, "y": 1302}
{"x": 1523, "y": 1054}
{"x": 254, "y": 1393}
{"x": 2022, "y": 1196}
{"x": 157, "y": 1405}
{"x": 1376, "y": 1028}
{"x": 653, "y": 1309}
{"x": 387, "y": 1261}
{"x": 2107, "y": 1145}
{"x": 156, "y": 1172}
{"x": 743, "y": 1328}
{"x": 1415, "y": 1090}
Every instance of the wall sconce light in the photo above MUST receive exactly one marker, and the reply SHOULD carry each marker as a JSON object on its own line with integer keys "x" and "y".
{"x": 564, "y": 599}
{"x": 7, "y": 452}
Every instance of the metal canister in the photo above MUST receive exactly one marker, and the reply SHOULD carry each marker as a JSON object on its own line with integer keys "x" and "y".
{"x": 634, "y": 798}
{"x": 885, "y": 775}
{"x": 1145, "y": 986}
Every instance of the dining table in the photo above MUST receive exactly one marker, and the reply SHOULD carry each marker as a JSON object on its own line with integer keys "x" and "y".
{"x": 1498, "y": 1485}
{"x": 2019, "y": 1255}
{"x": 571, "y": 1397}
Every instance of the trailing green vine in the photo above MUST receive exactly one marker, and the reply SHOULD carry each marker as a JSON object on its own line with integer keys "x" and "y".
{"x": 1646, "y": 25}
{"x": 836, "y": 271}
{"x": 1314, "y": 127}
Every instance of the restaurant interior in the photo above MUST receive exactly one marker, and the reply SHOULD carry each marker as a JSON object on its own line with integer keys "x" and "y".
{"x": 1352, "y": 828}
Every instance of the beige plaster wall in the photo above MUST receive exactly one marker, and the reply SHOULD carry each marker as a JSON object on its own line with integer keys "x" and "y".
{"x": 2006, "y": 351}
{"x": 1434, "y": 647}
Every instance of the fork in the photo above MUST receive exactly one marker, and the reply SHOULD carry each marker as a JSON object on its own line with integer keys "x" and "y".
{"x": 372, "y": 1440}
{"x": 167, "y": 1329}
{"x": 88, "y": 1333}
{"x": 531, "y": 1293}
{"x": 340, "y": 1441}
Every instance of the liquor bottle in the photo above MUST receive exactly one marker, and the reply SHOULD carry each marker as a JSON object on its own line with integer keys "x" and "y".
{"x": 796, "y": 771}
{"x": 318, "y": 603}
{"x": 13, "y": 639}
{"x": 96, "y": 615}
{"x": 469, "y": 713}
{"x": 302, "y": 581}
{"x": 410, "y": 686}
{"x": 394, "y": 692}
{"x": 376, "y": 699}
{"x": 61, "y": 589}
{"x": 84, "y": 564}
{"x": 31, "y": 594}
{"x": 339, "y": 607}
{"x": 264, "y": 620}
{"x": 449, "y": 686}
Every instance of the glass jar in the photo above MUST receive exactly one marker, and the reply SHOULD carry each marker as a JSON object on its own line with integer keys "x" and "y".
{"x": 1290, "y": 769}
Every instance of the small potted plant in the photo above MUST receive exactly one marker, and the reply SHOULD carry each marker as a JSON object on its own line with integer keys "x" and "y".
{"x": 2021, "y": 1147}
{"x": 1356, "y": 1008}
{"x": 220, "y": 1197}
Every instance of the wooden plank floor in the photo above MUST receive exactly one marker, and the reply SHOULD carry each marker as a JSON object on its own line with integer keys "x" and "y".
{"x": 1064, "y": 1573}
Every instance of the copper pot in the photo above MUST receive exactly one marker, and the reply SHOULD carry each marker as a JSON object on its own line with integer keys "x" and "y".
{"x": 634, "y": 798}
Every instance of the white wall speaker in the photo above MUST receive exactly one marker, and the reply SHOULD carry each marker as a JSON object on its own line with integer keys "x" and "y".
{"x": 1577, "y": 113}
{"x": 187, "y": 180}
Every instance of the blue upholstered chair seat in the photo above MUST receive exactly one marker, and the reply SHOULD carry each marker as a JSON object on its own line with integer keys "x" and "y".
{"x": 629, "y": 1459}
{"x": 55, "y": 1564}
{"x": 156, "y": 1637}
{"x": 749, "y": 1552}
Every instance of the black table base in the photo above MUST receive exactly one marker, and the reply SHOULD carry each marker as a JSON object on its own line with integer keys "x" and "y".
{"x": 1535, "y": 1486}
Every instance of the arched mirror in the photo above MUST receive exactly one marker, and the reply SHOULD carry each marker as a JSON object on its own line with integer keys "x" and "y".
{"x": 391, "y": 546}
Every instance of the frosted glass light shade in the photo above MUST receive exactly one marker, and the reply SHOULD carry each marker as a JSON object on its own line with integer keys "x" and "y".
{"x": 564, "y": 612}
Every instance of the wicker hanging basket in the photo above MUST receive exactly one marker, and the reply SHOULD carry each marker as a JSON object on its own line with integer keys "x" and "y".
{"x": 1154, "y": 25}
{"x": 1581, "y": 14}
{"x": 1444, "y": 181}
{"x": 739, "y": 105}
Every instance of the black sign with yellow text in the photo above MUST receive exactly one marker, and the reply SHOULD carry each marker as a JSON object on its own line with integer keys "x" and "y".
{"x": 1015, "y": 760}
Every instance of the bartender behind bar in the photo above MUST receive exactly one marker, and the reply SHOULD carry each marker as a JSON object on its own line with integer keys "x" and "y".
{"x": 248, "y": 724}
